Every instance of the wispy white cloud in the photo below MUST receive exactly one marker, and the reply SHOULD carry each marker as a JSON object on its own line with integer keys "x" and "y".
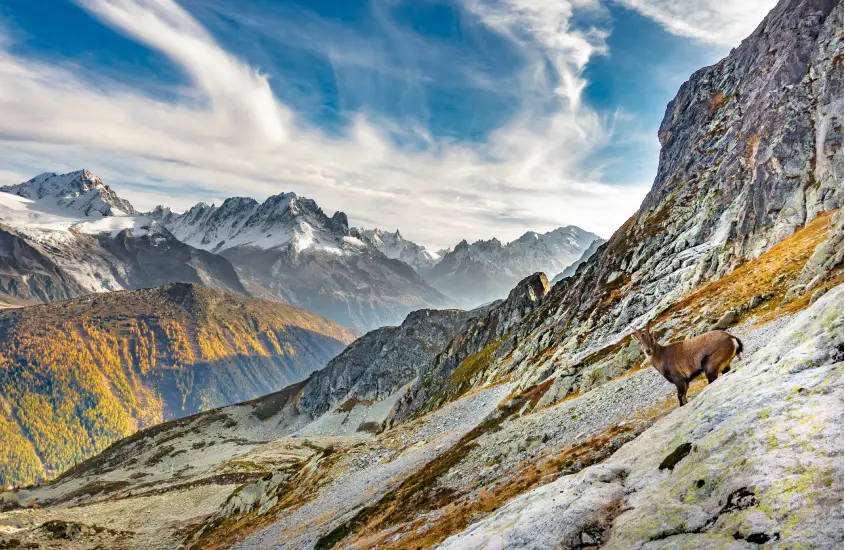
{"x": 235, "y": 93}
{"x": 227, "y": 134}
{"x": 720, "y": 22}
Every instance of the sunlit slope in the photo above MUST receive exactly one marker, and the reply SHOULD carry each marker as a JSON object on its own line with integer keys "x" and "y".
{"x": 77, "y": 375}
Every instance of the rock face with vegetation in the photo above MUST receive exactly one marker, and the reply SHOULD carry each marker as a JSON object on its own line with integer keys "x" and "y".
{"x": 382, "y": 361}
{"x": 465, "y": 361}
{"x": 78, "y": 375}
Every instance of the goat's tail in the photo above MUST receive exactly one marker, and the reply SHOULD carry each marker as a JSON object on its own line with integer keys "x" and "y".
{"x": 738, "y": 346}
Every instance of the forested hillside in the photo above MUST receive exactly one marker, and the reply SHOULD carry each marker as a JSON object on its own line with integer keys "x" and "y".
{"x": 77, "y": 375}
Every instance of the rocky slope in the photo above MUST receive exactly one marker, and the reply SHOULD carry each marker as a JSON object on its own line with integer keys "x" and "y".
{"x": 79, "y": 374}
{"x": 69, "y": 235}
{"x": 478, "y": 273}
{"x": 462, "y": 363}
{"x": 287, "y": 248}
{"x": 687, "y": 482}
{"x": 382, "y": 362}
{"x": 751, "y": 151}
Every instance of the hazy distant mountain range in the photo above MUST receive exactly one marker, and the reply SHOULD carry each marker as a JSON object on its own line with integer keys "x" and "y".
{"x": 477, "y": 273}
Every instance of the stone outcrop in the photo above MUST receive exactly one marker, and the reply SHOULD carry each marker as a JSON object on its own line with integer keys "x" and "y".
{"x": 382, "y": 361}
{"x": 466, "y": 359}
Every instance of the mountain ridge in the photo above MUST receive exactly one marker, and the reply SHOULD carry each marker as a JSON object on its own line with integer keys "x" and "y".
{"x": 537, "y": 423}
{"x": 286, "y": 248}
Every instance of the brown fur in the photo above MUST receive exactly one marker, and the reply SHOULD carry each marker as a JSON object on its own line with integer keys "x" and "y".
{"x": 710, "y": 353}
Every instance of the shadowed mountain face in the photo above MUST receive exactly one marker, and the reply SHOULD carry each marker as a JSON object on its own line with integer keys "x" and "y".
{"x": 79, "y": 374}
{"x": 358, "y": 288}
{"x": 27, "y": 275}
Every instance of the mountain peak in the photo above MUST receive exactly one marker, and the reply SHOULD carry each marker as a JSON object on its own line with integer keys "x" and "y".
{"x": 281, "y": 220}
{"x": 78, "y": 190}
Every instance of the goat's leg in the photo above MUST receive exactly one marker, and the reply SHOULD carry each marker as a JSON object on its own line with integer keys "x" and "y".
{"x": 718, "y": 369}
{"x": 682, "y": 392}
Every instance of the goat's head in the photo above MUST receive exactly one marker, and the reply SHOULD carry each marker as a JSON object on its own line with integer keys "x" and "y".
{"x": 645, "y": 338}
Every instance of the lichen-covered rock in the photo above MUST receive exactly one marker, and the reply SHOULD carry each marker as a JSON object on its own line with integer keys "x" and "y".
{"x": 761, "y": 461}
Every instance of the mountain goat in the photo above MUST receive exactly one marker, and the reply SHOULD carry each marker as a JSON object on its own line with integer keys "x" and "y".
{"x": 680, "y": 362}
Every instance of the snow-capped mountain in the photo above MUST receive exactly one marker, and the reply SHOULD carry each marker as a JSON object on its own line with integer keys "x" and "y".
{"x": 278, "y": 222}
{"x": 393, "y": 245}
{"x": 51, "y": 208}
{"x": 79, "y": 191}
{"x": 287, "y": 248}
{"x": 473, "y": 274}
{"x": 70, "y": 234}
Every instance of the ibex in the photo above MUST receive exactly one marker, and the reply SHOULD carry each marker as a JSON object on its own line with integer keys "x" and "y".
{"x": 680, "y": 362}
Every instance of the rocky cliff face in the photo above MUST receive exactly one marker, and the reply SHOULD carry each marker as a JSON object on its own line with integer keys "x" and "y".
{"x": 751, "y": 150}
{"x": 382, "y": 361}
{"x": 466, "y": 359}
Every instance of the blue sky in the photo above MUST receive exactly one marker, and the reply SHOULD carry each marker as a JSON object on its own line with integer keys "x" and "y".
{"x": 448, "y": 120}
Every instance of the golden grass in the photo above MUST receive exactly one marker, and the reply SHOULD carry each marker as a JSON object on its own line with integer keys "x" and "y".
{"x": 774, "y": 272}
